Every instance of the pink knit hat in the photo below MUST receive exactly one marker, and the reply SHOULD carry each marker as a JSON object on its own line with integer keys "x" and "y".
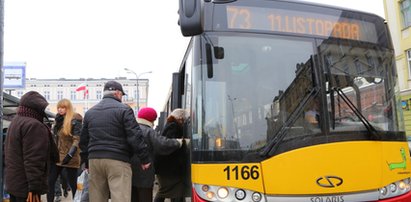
{"x": 148, "y": 114}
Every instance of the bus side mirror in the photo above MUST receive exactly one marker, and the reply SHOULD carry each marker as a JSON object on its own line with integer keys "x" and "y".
{"x": 219, "y": 52}
{"x": 190, "y": 17}
{"x": 176, "y": 91}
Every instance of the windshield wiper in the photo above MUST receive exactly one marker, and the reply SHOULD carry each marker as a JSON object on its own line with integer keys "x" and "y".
{"x": 274, "y": 142}
{"x": 358, "y": 113}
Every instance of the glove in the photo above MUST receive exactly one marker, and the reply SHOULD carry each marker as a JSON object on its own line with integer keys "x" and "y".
{"x": 66, "y": 159}
{"x": 69, "y": 155}
{"x": 86, "y": 164}
{"x": 84, "y": 160}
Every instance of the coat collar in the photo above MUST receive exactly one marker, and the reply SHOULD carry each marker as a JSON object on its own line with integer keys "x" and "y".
{"x": 145, "y": 122}
{"x": 111, "y": 96}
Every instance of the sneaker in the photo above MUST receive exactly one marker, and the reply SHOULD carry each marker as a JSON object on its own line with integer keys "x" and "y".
{"x": 57, "y": 199}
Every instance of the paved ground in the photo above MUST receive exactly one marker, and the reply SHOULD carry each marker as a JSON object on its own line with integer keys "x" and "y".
{"x": 69, "y": 197}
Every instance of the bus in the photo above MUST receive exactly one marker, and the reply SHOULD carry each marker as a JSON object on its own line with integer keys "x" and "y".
{"x": 290, "y": 101}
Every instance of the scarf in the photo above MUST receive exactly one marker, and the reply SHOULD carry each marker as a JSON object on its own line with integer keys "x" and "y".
{"x": 28, "y": 112}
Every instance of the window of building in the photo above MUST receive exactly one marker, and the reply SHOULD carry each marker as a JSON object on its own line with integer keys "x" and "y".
{"x": 98, "y": 95}
{"x": 139, "y": 93}
{"x": 408, "y": 52}
{"x": 47, "y": 95}
{"x": 126, "y": 96}
{"x": 406, "y": 12}
{"x": 73, "y": 95}
{"x": 59, "y": 95}
{"x": 135, "y": 93}
{"x": 19, "y": 93}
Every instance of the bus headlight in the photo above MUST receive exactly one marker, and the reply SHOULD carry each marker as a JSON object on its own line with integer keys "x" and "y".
{"x": 222, "y": 192}
{"x": 256, "y": 197}
{"x": 240, "y": 194}
{"x": 407, "y": 181}
{"x": 395, "y": 189}
{"x": 402, "y": 185}
{"x": 210, "y": 195}
{"x": 205, "y": 188}
{"x": 383, "y": 191}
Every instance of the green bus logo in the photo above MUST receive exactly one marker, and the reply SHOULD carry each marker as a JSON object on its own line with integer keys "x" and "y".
{"x": 401, "y": 164}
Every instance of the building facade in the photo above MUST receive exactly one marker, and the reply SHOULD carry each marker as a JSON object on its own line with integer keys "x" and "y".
{"x": 84, "y": 98}
{"x": 398, "y": 16}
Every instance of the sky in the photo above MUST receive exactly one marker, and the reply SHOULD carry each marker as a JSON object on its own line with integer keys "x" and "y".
{"x": 75, "y": 39}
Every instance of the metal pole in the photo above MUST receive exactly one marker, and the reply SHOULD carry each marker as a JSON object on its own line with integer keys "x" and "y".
{"x": 1, "y": 93}
{"x": 135, "y": 74}
{"x": 138, "y": 90}
{"x": 138, "y": 95}
{"x": 137, "y": 85}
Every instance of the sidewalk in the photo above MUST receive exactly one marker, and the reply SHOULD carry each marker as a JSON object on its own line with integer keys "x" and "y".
{"x": 63, "y": 199}
{"x": 70, "y": 199}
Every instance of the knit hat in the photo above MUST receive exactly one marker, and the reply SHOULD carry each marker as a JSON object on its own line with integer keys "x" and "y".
{"x": 148, "y": 114}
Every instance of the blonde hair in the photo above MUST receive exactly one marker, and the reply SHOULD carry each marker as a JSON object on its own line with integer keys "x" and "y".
{"x": 65, "y": 103}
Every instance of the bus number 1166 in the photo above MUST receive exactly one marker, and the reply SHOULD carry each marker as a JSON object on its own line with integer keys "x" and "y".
{"x": 243, "y": 172}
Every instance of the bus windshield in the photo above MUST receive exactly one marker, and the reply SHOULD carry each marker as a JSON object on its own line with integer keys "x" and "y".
{"x": 263, "y": 96}
{"x": 360, "y": 74}
{"x": 254, "y": 72}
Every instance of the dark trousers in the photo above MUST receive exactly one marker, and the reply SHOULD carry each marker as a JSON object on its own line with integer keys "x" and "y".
{"x": 141, "y": 194}
{"x": 61, "y": 183}
{"x": 55, "y": 171}
{"x": 17, "y": 199}
{"x": 57, "y": 187}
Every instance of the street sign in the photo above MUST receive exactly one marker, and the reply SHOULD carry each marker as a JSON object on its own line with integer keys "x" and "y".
{"x": 14, "y": 76}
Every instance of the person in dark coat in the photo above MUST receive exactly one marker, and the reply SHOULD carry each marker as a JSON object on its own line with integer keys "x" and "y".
{"x": 67, "y": 131}
{"x": 29, "y": 149}
{"x": 109, "y": 138}
{"x": 172, "y": 169}
{"x": 143, "y": 180}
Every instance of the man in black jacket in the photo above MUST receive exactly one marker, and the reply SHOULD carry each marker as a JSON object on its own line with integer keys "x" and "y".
{"x": 109, "y": 137}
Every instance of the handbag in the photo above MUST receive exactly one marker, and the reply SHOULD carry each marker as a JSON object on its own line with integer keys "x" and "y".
{"x": 33, "y": 197}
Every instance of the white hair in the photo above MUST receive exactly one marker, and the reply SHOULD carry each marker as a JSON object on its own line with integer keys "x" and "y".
{"x": 109, "y": 92}
{"x": 180, "y": 114}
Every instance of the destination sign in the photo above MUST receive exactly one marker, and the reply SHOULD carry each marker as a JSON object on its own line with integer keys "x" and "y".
{"x": 299, "y": 22}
